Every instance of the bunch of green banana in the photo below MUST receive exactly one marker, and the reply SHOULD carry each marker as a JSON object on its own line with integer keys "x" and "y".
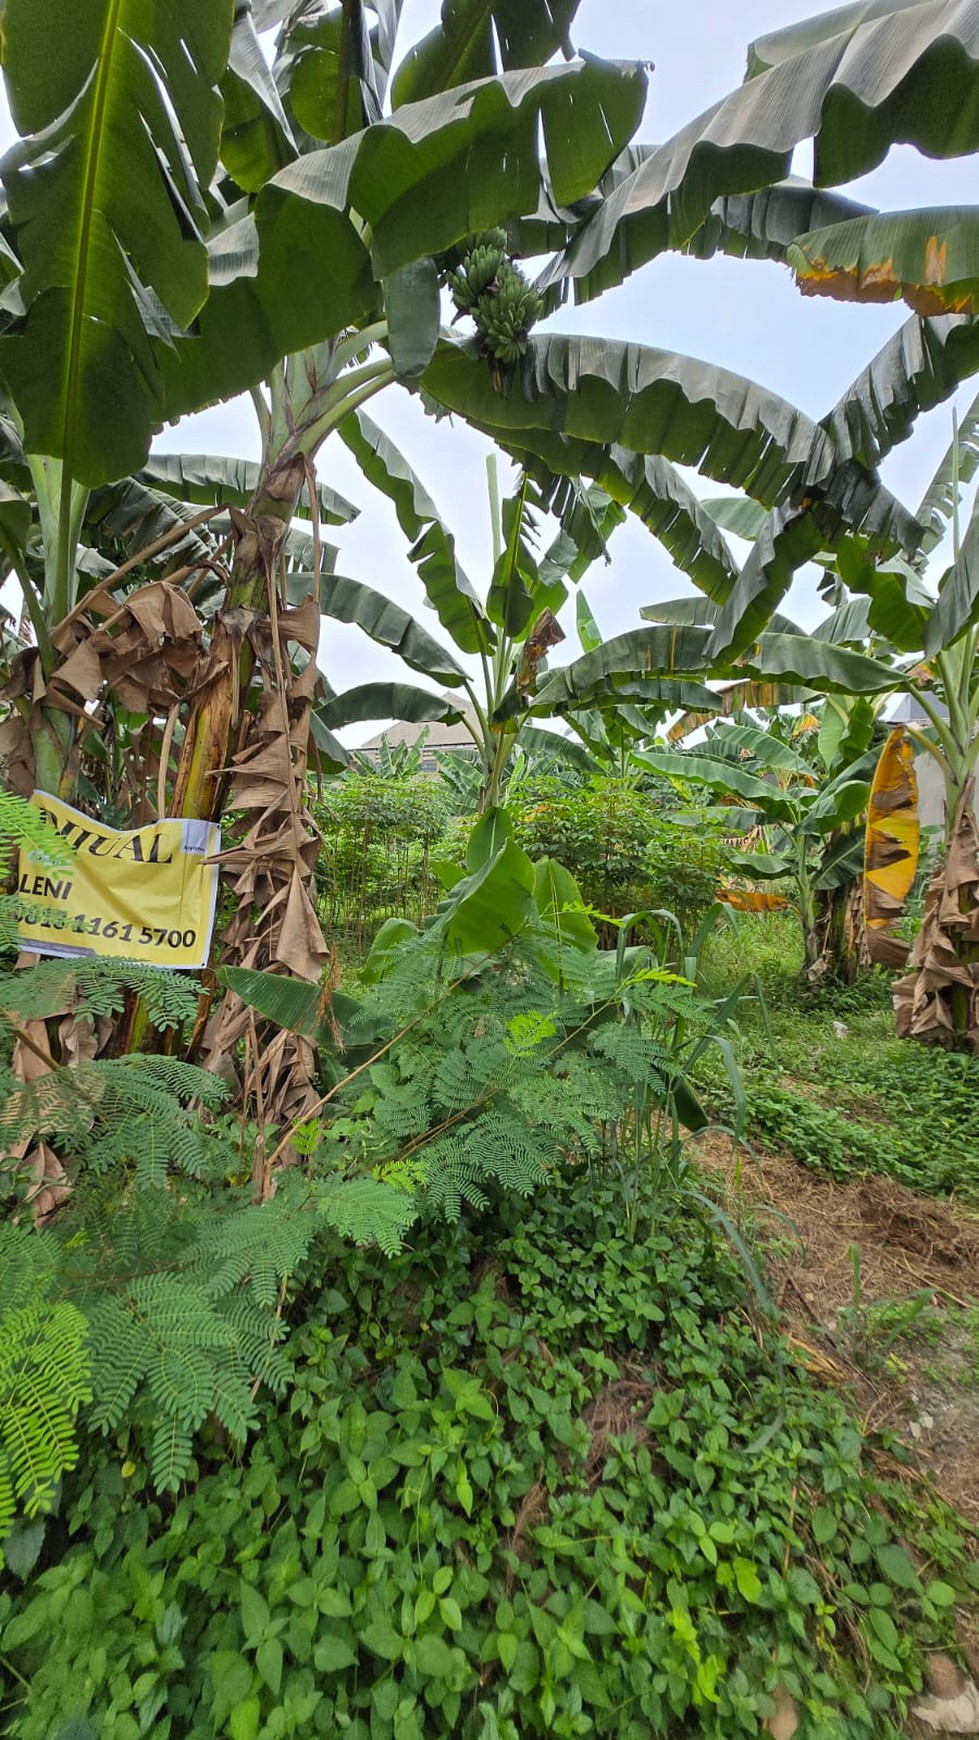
{"x": 486, "y": 285}
{"x": 504, "y": 319}
{"x": 482, "y": 258}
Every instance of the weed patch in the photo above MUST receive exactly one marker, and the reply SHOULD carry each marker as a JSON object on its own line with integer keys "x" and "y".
{"x": 569, "y": 1489}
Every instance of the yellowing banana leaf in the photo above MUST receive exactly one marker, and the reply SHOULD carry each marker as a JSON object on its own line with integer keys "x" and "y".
{"x": 891, "y": 847}
{"x": 751, "y": 899}
{"x": 931, "y": 258}
{"x": 731, "y": 699}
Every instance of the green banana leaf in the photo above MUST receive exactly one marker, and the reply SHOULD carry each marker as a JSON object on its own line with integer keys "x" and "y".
{"x": 837, "y": 804}
{"x": 918, "y": 368}
{"x": 589, "y": 633}
{"x": 291, "y": 1003}
{"x": 885, "y": 71}
{"x": 308, "y": 260}
{"x": 763, "y": 748}
{"x": 326, "y": 70}
{"x": 610, "y": 394}
{"x": 961, "y": 460}
{"x": 722, "y": 776}
{"x": 106, "y": 188}
{"x": 475, "y": 39}
{"x": 386, "y": 623}
{"x": 449, "y": 590}
{"x": 488, "y": 908}
{"x": 536, "y": 741}
{"x": 900, "y": 608}
{"x": 413, "y": 311}
{"x": 762, "y": 225}
{"x": 958, "y": 593}
{"x": 207, "y": 478}
{"x": 256, "y": 139}
{"x": 778, "y": 46}
{"x": 633, "y": 664}
{"x": 561, "y": 910}
{"x": 652, "y": 489}
{"x": 700, "y": 612}
{"x": 384, "y": 701}
{"x": 793, "y": 536}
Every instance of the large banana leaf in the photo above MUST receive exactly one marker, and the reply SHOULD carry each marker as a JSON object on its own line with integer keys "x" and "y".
{"x": 763, "y": 225}
{"x": 581, "y": 405}
{"x": 916, "y": 369}
{"x": 308, "y": 261}
{"x": 701, "y": 612}
{"x": 256, "y": 139}
{"x": 448, "y": 589}
{"x": 539, "y": 742}
{"x": 959, "y": 461}
{"x": 792, "y": 536}
{"x": 779, "y": 46}
{"x": 900, "y": 607}
{"x": 722, "y": 776}
{"x": 849, "y": 623}
{"x": 386, "y": 623}
{"x": 208, "y": 478}
{"x": 488, "y": 908}
{"x": 836, "y": 805}
{"x": 767, "y": 752}
{"x": 856, "y": 93}
{"x": 511, "y": 602}
{"x": 958, "y": 592}
{"x": 630, "y": 666}
{"x": 119, "y": 105}
{"x": 650, "y": 487}
{"x": 476, "y": 39}
{"x": 930, "y": 258}
{"x": 384, "y": 701}
{"x": 608, "y": 394}
{"x": 326, "y": 68}
{"x": 737, "y": 514}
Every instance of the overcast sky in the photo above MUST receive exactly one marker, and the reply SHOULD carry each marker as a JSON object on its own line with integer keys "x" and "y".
{"x": 747, "y": 316}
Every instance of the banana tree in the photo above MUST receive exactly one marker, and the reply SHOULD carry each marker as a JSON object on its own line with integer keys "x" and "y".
{"x": 804, "y": 812}
{"x": 317, "y": 239}
{"x": 158, "y": 260}
{"x": 905, "y": 640}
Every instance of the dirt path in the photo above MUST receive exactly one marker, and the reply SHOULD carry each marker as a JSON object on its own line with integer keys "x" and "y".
{"x": 911, "y": 1367}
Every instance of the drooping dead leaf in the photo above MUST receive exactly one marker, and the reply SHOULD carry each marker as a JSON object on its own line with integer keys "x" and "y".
{"x": 938, "y": 999}
{"x": 253, "y": 758}
{"x": 751, "y": 899}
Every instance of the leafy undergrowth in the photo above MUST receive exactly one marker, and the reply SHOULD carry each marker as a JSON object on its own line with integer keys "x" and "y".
{"x": 827, "y": 1081}
{"x": 565, "y": 1488}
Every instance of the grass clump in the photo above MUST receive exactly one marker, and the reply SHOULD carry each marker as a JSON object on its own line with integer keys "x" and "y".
{"x": 827, "y": 1080}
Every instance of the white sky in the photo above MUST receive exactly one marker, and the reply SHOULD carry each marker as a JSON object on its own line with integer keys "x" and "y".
{"x": 747, "y": 316}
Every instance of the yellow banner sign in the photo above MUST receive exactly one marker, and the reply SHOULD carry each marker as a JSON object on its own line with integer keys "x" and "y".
{"x": 142, "y": 894}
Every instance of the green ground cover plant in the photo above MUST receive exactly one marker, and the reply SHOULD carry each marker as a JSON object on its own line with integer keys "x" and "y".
{"x": 534, "y": 1477}
{"x": 825, "y": 1078}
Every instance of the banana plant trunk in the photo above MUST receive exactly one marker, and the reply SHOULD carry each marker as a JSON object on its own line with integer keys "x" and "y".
{"x": 937, "y": 1001}
{"x": 246, "y": 748}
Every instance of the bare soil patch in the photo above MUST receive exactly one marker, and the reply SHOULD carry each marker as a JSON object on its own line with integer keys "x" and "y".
{"x": 923, "y": 1389}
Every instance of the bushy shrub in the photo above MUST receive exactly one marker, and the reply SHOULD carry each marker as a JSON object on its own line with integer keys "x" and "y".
{"x": 629, "y": 850}
{"x": 377, "y": 835}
